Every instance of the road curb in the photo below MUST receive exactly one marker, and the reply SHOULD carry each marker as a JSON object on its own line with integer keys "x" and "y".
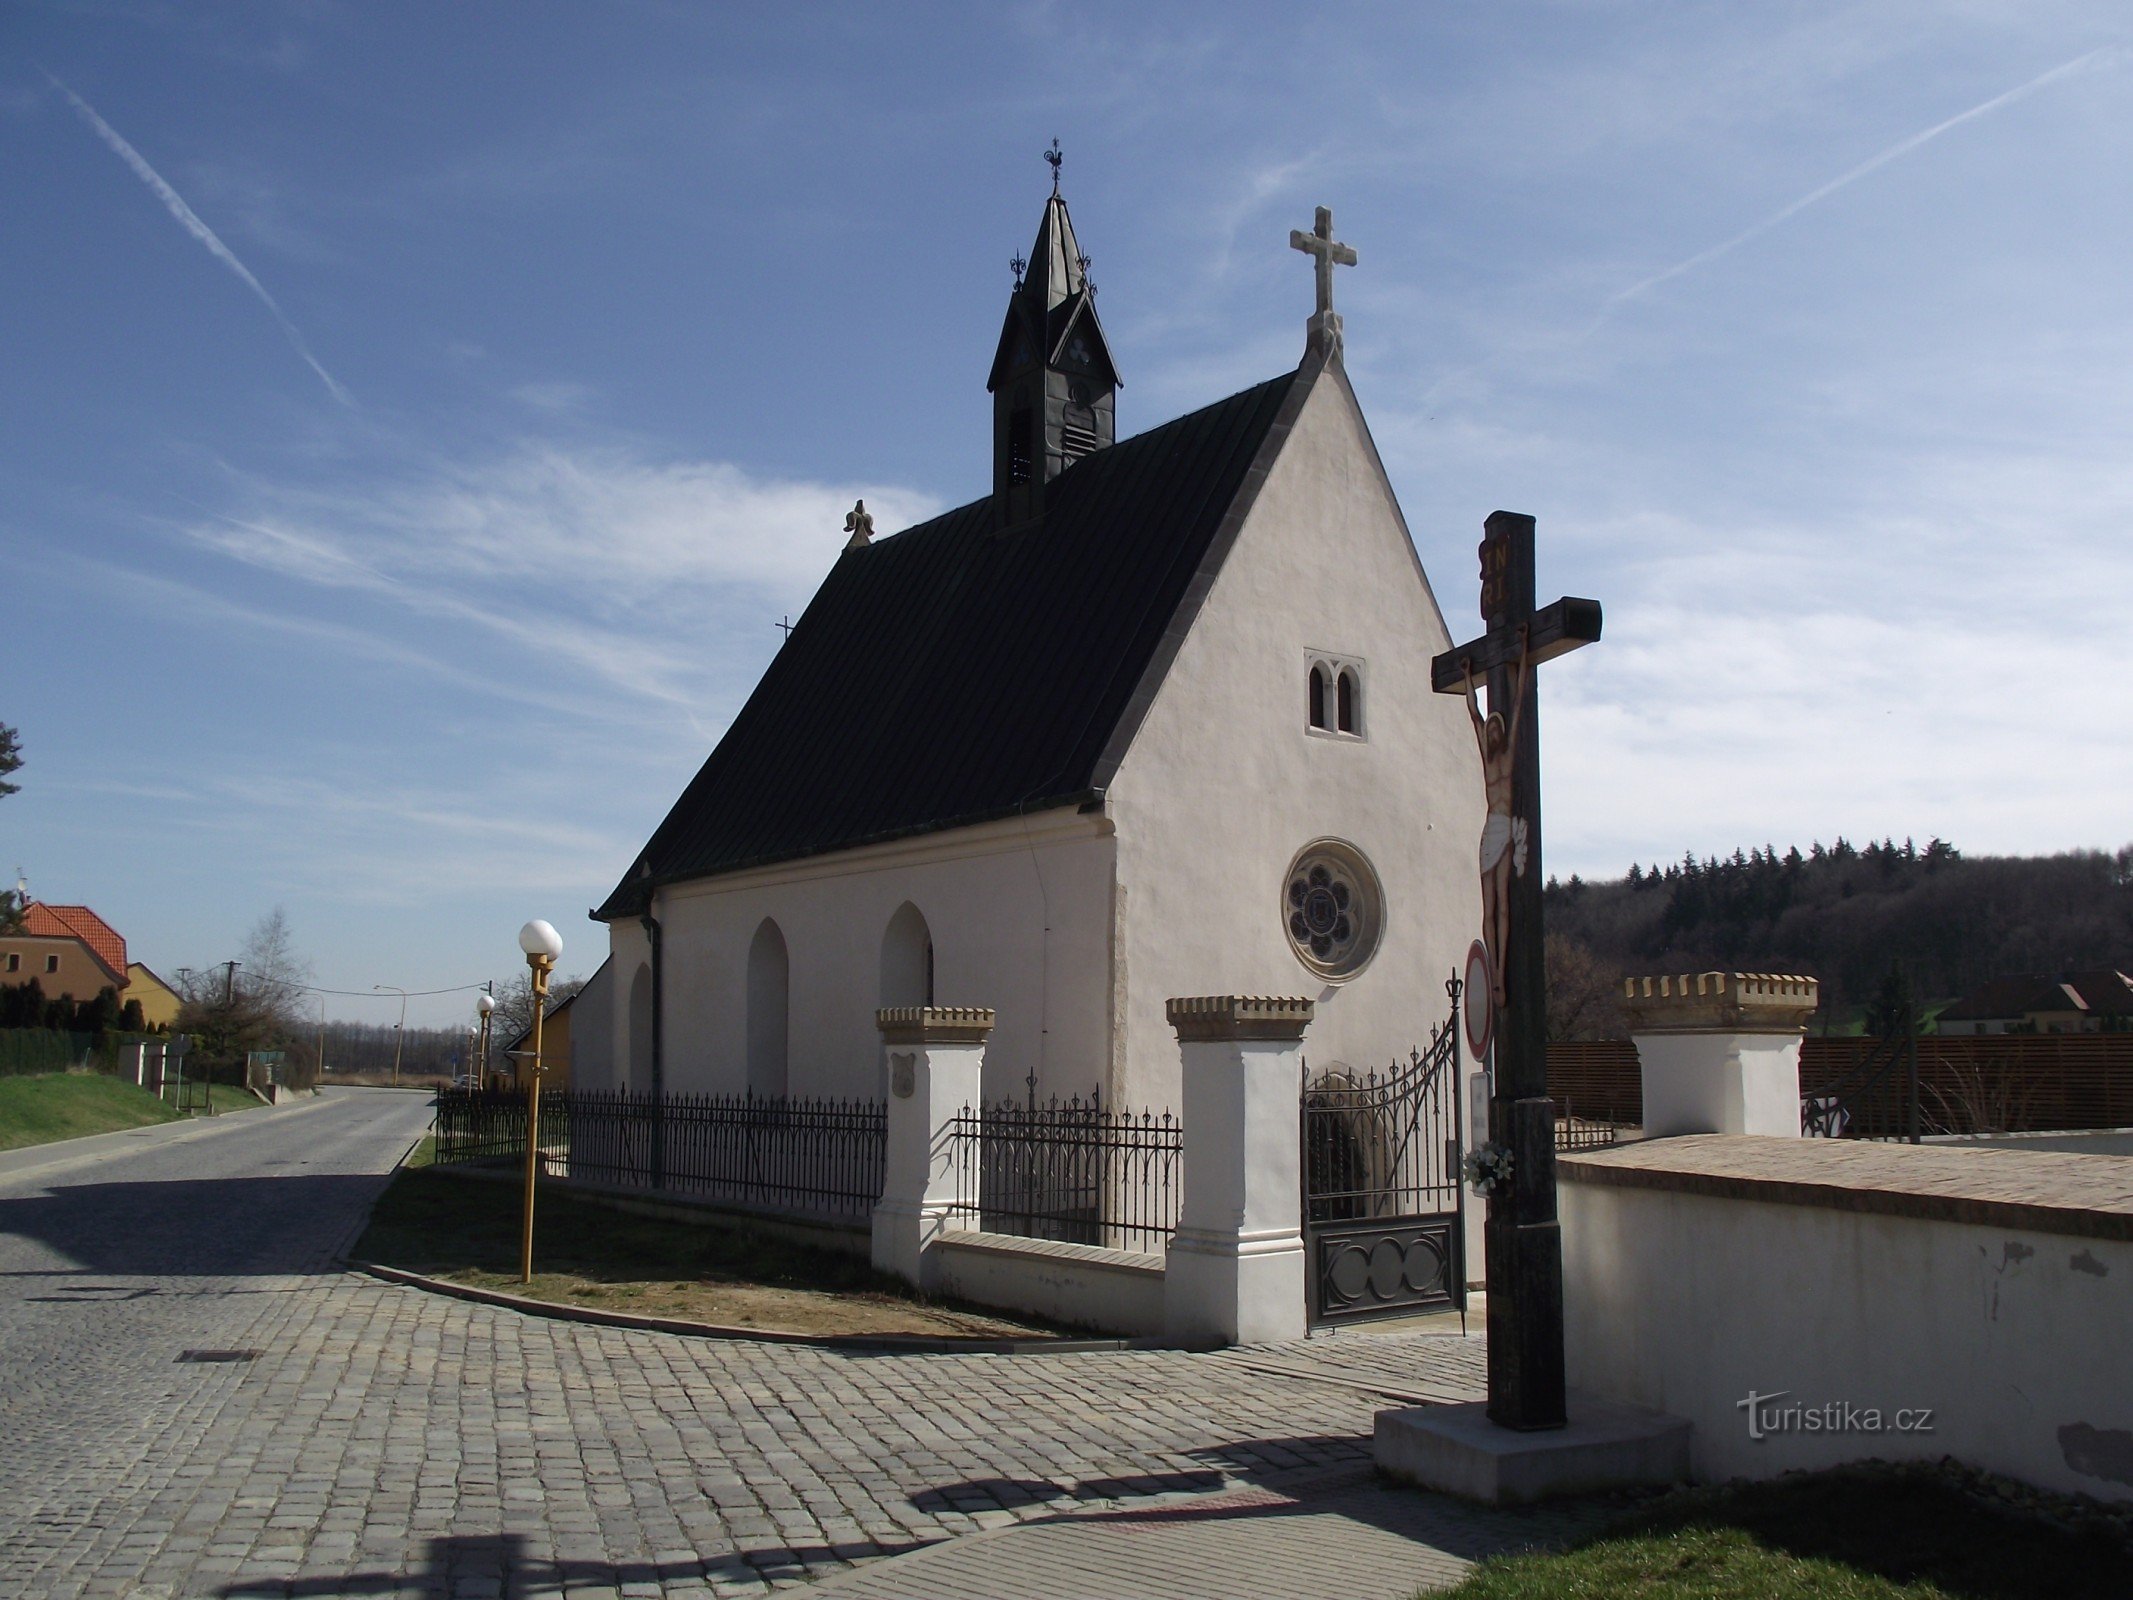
{"x": 879, "y": 1343}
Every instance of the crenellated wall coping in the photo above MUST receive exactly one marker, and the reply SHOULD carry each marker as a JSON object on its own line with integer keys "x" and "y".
{"x": 934, "y": 1024}
{"x": 1198, "y": 1018}
{"x": 1720, "y": 1002}
{"x": 2036, "y": 1191}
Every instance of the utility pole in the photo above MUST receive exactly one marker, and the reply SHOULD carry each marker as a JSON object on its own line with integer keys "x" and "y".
{"x": 229, "y": 982}
{"x": 400, "y": 1031}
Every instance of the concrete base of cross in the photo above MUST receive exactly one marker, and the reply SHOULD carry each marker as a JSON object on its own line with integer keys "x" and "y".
{"x": 1458, "y": 1450}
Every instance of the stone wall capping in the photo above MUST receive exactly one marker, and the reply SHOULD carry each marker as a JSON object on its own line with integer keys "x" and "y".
{"x": 1239, "y": 1016}
{"x": 934, "y": 1024}
{"x": 1713, "y": 1002}
{"x": 2035, "y": 1191}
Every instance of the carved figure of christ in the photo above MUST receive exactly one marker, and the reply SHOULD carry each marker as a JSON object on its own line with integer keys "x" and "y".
{"x": 1503, "y": 836}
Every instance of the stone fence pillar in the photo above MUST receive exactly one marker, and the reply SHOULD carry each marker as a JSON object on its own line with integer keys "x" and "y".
{"x": 935, "y": 1053}
{"x": 1720, "y": 1051}
{"x": 1235, "y": 1273}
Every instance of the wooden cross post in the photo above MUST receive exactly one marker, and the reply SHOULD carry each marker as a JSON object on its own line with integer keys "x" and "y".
{"x": 1524, "y": 1247}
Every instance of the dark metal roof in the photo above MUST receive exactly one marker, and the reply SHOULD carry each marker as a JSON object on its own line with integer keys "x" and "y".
{"x": 950, "y": 674}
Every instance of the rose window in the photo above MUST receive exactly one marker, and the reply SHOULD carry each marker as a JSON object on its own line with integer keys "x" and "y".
{"x": 1332, "y": 905}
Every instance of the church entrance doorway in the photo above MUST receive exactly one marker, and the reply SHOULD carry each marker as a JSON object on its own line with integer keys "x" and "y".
{"x": 1383, "y": 1205}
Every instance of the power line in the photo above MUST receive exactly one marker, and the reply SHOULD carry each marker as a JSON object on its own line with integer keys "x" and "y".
{"x": 370, "y": 994}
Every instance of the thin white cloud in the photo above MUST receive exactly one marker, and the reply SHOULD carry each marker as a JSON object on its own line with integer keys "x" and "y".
{"x": 169, "y": 597}
{"x": 597, "y": 559}
{"x": 174, "y": 203}
{"x": 2102, "y": 56}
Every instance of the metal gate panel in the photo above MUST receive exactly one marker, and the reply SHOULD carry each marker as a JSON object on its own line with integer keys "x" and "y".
{"x": 1383, "y": 1201}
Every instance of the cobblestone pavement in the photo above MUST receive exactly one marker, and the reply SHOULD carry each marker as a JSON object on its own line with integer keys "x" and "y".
{"x": 384, "y": 1441}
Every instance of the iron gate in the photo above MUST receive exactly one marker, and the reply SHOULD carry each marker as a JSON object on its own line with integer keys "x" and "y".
{"x": 1383, "y": 1203}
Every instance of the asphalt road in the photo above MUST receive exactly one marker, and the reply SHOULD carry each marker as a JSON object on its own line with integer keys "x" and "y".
{"x": 118, "y": 1262}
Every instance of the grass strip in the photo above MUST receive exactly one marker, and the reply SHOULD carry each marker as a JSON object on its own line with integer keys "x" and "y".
{"x": 711, "y": 1270}
{"x": 65, "y": 1105}
{"x": 1870, "y": 1532}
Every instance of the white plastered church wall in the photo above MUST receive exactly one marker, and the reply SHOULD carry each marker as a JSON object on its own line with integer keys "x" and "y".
{"x": 1223, "y": 784}
{"x": 1019, "y": 912}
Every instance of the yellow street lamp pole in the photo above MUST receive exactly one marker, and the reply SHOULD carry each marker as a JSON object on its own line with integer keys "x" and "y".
{"x": 542, "y": 945}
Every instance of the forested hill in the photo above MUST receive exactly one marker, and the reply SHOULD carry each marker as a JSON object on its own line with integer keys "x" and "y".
{"x": 1844, "y": 913}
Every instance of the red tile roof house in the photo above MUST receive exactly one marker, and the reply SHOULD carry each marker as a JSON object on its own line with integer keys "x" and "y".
{"x": 2079, "y": 1002}
{"x": 70, "y": 950}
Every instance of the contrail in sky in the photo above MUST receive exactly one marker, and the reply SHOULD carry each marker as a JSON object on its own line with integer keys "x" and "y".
{"x": 1902, "y": 147}
{"x": 175, "y": 204}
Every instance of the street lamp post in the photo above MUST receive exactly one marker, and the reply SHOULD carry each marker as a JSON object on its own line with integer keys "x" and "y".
{"x": 400, "y": 1033}
{"x": 484, "y": 1003}
{"x": 542, "y": 945}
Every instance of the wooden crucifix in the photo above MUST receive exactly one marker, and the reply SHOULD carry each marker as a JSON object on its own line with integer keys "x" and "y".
{"x": 1524, "y": 1244}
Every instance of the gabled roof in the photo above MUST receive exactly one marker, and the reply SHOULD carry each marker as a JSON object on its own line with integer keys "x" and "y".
{"x": 2104, "y": 992}
{"x": 41, "y": 921}
{"x": 137, "y": 970}
{"x": 951, "y": 674}
{"x": 2013, "y": 997}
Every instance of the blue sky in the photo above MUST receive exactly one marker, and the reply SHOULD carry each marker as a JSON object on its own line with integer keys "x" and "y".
{"x": 417, "y": 417}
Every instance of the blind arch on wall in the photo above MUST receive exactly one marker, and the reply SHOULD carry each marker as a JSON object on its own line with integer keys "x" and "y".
{"x": 769, "y": 1008}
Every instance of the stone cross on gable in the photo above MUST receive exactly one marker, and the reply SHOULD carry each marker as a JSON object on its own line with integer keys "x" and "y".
{"x": 1327, "y": 253}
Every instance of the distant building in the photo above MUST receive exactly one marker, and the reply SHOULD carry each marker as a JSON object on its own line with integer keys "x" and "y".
{"x": 159, "y": 1002}
{"x": 2096, "y": 1001}
{"x": 70, "y": 951}
{"x": 576, "y": 1024}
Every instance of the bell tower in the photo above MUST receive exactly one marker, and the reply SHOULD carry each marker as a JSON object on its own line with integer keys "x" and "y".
{"x": 1053, "y": 386}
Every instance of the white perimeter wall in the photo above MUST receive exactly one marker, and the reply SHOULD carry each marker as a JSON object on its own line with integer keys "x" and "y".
{"x": 1224, "y": 784}
{"x": 1019, "y": 913}
{"x": 2016, "y": 1340}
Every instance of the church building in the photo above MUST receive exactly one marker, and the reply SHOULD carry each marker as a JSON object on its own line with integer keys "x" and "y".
{"x": 1149, "y": 717}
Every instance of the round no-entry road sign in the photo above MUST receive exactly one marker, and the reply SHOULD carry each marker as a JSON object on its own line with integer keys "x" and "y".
{"x": 1476, "y": 997}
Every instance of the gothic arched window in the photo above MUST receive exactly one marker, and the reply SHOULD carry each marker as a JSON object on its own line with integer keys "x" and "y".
{"x": 1335, "y": 694}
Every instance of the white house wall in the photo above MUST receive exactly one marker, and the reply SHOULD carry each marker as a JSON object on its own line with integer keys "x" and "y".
{"x": 1224, "y": 783}
{"x": 1019, "y": 912}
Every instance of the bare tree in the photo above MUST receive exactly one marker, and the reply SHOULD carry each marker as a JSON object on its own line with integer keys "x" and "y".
{"x": 514, "y": 1003}
{"x": 275, "y": 976}
{"x": 1584, "y": 992}
{"x": 12, "y": 905}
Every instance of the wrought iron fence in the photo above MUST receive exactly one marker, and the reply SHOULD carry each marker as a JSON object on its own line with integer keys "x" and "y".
{"x": 809, "y": 1156}
{"x": 1069, "y": 1170}
{"x": 1878, "y": 1098}
{"x": 1571, "y": 1134}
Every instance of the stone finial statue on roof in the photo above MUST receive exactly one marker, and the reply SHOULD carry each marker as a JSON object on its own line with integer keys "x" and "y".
{"x": 860, "y": 525}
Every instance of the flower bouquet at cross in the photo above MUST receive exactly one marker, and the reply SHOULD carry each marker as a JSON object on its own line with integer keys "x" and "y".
{"x": 1488, "y": 1168}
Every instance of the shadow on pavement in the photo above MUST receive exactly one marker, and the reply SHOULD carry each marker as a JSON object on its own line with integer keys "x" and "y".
{"x": 1285, "y": 1477}
{"x": 501, "y": 1565}
{"x": 206, "y": 1227}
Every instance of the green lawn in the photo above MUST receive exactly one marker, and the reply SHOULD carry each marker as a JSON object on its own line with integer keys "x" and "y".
{"x": 1858, "y": 1533}
{"x": 63, "y": 1105}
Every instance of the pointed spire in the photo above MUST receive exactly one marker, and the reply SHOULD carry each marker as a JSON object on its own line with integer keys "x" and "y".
{"x": 1057, "y": 269}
